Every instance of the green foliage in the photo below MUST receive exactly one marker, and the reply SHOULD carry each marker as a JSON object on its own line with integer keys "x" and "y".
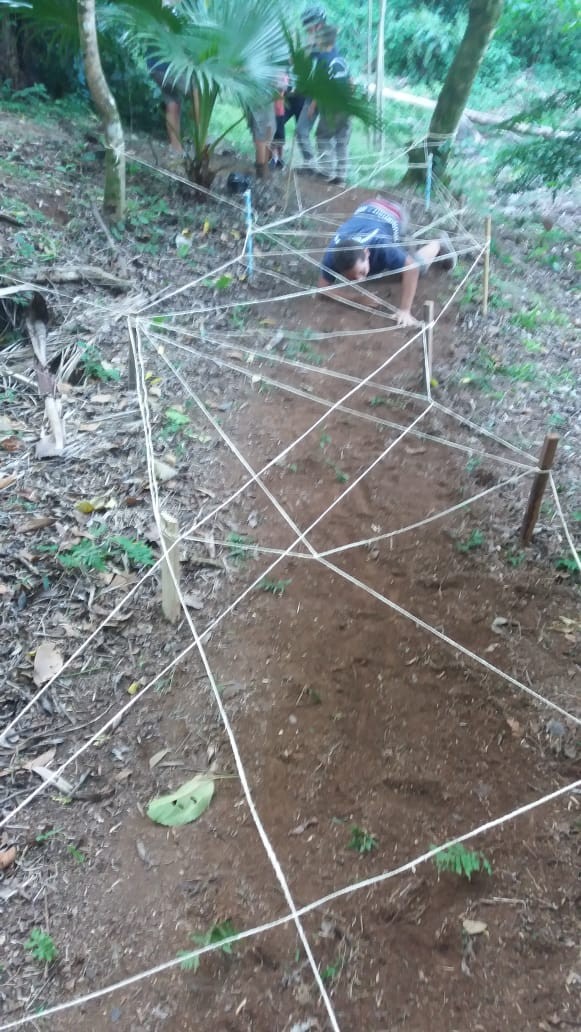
{"x": 41, "y": 946}
{"x": 275, "y": 587}
{"x": 568, "y": 564}
{"x": 421, "y": 44}
{"x": 239, "y": 545}
{"x": 548, "y": 32}
{"x": 95, "y": 552}
{"x": 92, "y": 364}
{"x": 537, "y": 162}
{"x": 362, "y": 841}
{"x": 461, "y": 861}
{"x": 216, "y": 934}
{"x": 475, "y": 540}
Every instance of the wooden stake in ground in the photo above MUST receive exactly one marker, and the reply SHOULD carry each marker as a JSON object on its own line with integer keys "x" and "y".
{"x": 487, "y": 238}
{"x": 429, "y": 324}
{"x": 170, "y": 602}
{"x": 131, "y": 369}
{"x": 538, "y": 488}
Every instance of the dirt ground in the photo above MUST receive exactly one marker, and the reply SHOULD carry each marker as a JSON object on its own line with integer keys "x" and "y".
{"x": 354, "y": 718}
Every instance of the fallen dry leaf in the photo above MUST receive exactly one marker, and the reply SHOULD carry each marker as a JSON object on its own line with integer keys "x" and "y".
{"x": 164, "y": 471}
{"x": 515, "y": 727}
{"x": 7, "y": 481}
{"x": 37, "y": 523}
{"x": 40, "y": 761}
{"x": 62, "y": 784}
{"x": 7, "y": 858}
{"x": 11, "y": 444}
{"x": 48, "y": 662}
{"x": 474, "y": 927}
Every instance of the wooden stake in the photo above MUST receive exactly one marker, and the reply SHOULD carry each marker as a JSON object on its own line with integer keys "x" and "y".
{"x": 290, "y": 169}
{"x": 538, "y": 488}
{"x": 487, "y": 238}
{"x": 131, "y": 370}
{"x": 170, "y": 602}
{"x": 429, "y": 322}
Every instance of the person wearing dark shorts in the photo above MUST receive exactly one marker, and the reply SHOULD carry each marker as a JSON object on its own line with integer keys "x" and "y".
{"x": 370, "y": 243}
{"x": 172, "y": 97}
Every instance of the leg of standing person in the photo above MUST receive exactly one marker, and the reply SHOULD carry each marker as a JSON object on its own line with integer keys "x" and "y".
{"x": 263, "y": 124}
{"x": 325, "y": 138}
{"x": 305, "y": 123}
{"x": 173, "y": 113}
{"x": 342, "y": 137}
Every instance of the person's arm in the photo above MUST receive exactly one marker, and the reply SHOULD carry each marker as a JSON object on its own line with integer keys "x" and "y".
{"x": 409, "y": 283}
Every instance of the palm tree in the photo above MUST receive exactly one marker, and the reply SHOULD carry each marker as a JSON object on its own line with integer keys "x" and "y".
{"x": 226, "y": 49}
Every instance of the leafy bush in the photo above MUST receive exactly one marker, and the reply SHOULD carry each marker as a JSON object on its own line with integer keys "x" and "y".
{"x": 422, "y": 45}
{"x": 548, "y": 31}
{"x": 539, "y": 162}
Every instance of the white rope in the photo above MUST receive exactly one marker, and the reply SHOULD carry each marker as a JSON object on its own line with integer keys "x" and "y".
{"x": 410, "y": 866}
{"x": 272, "y": 857}
{"x": 309, "y": 395}
{"x": 195, "y": 525}
{"x": 566, "y": 530}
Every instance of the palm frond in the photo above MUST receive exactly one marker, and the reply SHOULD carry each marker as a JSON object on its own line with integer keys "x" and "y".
{"x": 333, "y": 96}
{"x": 237, "y": 48}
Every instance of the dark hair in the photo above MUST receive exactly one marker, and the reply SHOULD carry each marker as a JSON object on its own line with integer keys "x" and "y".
{"x": 345, "y": 254}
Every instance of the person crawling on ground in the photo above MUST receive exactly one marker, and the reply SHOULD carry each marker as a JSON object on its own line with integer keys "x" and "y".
{"x": 370, "y": 242}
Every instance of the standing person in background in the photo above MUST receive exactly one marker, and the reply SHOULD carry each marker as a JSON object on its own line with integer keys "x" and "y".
{"x": 277, "y": 145}
{"x": 262, "y": 126}
{"x": 333, "y": 132}
{"x": 172, "y": 99}
{"x": 296, "y": 106}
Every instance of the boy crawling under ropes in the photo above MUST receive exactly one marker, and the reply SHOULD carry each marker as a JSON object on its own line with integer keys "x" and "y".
{"x": 369, "y": 243}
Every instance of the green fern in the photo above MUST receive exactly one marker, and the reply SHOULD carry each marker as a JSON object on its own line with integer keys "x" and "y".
{"x": 216, "y": 934}
{"x": 136, "y": 552}
{"x": 95, "y": 552}
{"x": 460, "y": 861}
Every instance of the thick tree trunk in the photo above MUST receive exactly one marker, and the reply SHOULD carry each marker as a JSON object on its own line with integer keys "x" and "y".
{"x": 483, "y": 16}
{"x": 9, "y": 60}
{"x": 104, "y": 101}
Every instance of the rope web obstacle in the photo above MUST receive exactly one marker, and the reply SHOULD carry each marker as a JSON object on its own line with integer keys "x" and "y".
{"x": 167, "y": 335}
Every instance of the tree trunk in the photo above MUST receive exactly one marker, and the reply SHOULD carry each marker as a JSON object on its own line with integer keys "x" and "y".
{"x": 9, "y": 59}
{"x": 104, "y": 101}
{"x": 483, "y": 16}
{"x": 380, "y": 70}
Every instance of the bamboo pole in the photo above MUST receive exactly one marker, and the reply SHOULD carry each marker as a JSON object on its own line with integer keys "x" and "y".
{"x": 170, "y": 602}
{"x": 538, "y": 489}
{"x": 290, "y": 169}
{"x": 429, "y": 324}
{"x": 487, "y": 238}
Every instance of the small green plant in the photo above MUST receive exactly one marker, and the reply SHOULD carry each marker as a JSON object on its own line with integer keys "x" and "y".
{"x": 239, "y": 545}
{"x": 377, "y": 400}
{"x": 332, "y": 971}
{"x": 41, "y": 946}
{"x": 567, "y": 564}
{"x": 324, "y": 440}
{"x": 362, "y": 841}
{"x": 473, "y": 463}
{"x": 94, "y": 367}
{"x": 475, "y": 540}
{"x": 461, "y": 861}
{"x": 340, "y": 476}
{"x": 175, "y": 421}
{"x": 275, "y": 587}
{"x": 95, "y": 552}
{"x": 216, "y": 934}
{"x": 515, "y": 558}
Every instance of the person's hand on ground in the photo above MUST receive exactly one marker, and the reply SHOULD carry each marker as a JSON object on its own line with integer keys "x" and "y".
{"x": 405, "y": 318}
